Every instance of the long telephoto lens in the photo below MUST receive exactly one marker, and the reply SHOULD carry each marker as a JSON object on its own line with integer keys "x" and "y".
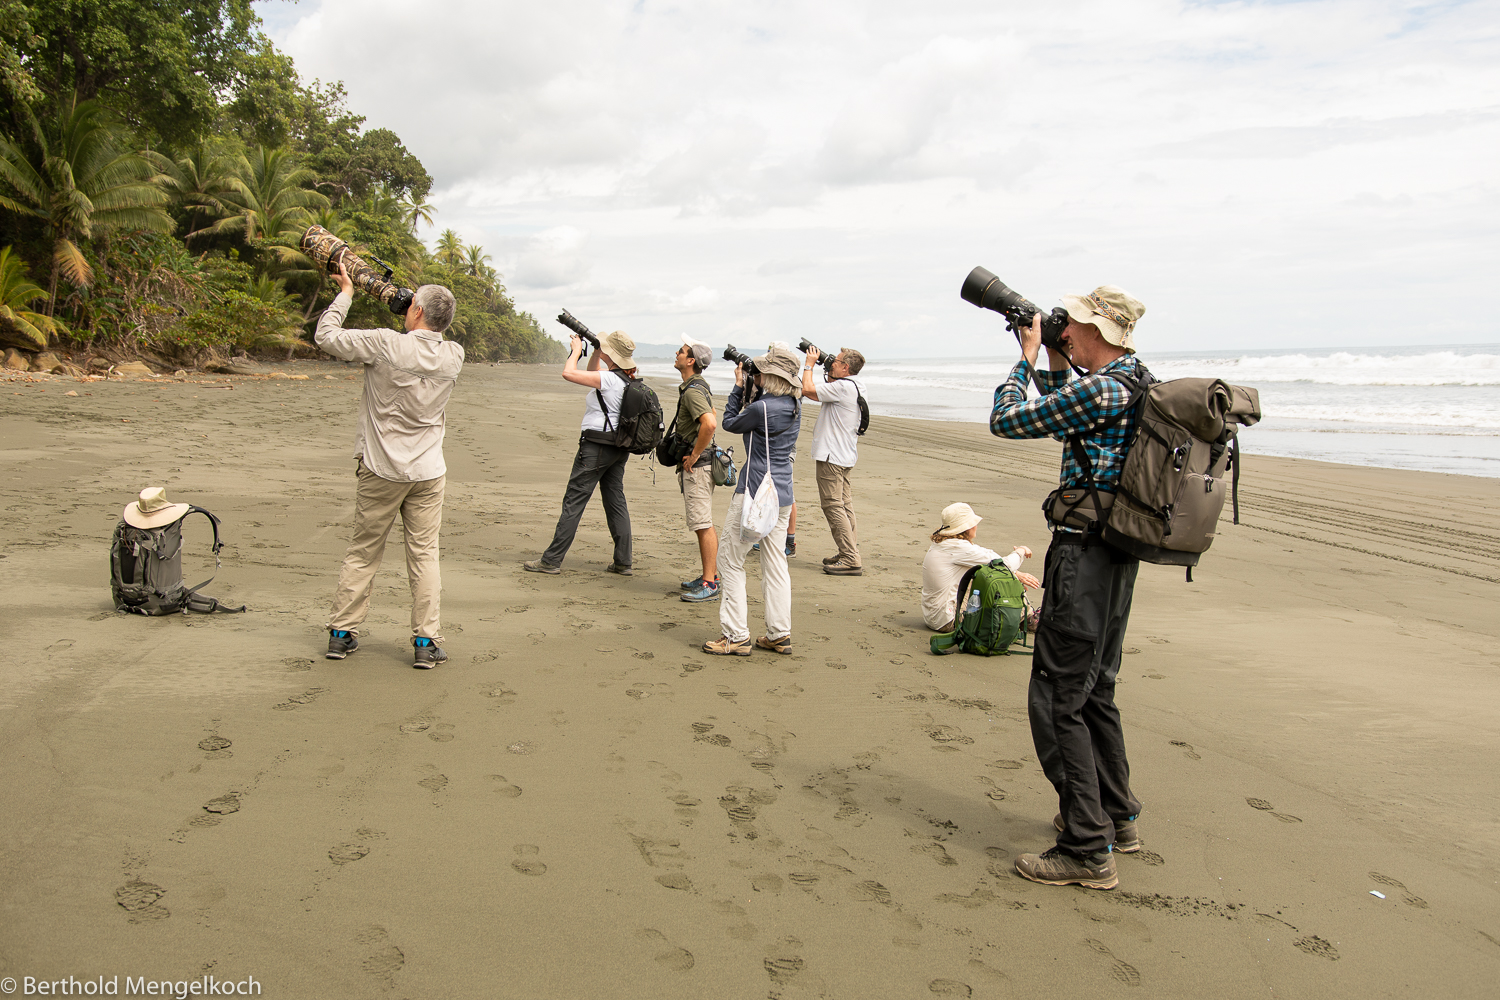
{"x": 731, "y": 353}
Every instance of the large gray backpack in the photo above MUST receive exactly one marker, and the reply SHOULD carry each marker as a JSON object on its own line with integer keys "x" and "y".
{"x": 1183, "y": 463}
{"x": 145, "y": 570}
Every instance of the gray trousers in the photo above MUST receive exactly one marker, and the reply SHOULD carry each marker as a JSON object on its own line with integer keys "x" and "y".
{"x": 602, "y": 466}
{"x": 1075, "y": 725}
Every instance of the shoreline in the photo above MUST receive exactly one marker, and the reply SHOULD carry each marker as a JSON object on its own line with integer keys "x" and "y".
{"x": 581, "y": 803}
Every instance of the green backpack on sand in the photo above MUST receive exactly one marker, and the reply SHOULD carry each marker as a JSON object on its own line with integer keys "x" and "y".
{"x": 993, "y": 616}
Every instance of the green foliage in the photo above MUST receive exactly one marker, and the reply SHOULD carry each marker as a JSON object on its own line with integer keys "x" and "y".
{"x": 16, "y": 36}
{"x": 158, "y": 64}
{"x": 270, "y": 198}
{"x": 240, "y": 319}
{"x": 144, "y": 283}
{"x": 19, "y": 326}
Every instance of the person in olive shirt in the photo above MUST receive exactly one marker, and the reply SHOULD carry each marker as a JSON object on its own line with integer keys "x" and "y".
{"x": 696, "y": 422}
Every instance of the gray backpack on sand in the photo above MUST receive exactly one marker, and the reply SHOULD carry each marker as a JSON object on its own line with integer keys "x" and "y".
{"x": 145, "y": 570}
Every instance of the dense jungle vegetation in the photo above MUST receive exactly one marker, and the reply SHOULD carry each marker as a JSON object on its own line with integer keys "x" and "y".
{"x": 159, "y": 161}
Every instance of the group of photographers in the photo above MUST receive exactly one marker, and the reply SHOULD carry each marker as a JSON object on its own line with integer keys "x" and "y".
{"x": 1075, "y": 723}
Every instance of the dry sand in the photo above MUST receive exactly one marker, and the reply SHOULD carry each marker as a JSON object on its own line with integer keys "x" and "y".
{"x": 581, "y": 804}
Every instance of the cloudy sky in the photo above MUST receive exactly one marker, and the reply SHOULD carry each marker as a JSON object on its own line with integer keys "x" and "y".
{"x": 1260, "y": 174}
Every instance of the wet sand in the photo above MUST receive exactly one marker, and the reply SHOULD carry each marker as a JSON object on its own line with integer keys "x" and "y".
{"x": 581, "y": 804}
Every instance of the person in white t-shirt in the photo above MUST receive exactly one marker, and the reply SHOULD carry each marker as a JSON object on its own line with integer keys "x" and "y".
{"x": 834, "y": 452}
{"x": 952, "y": 553}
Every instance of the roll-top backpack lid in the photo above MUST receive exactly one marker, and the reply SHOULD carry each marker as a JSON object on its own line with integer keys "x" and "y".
{"x": 1206, "y": 407}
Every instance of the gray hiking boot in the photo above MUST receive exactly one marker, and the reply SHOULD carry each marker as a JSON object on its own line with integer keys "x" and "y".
{"x": 340, "y": 645}
{"x": 1127, "y": 837}
{"x": 537, "y": 566}
{"x": 428, "y": 656}
{"x": 1057, "y": 867}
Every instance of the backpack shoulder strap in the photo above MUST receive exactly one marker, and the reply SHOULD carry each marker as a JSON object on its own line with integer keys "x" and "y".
{"x": 195, "y": 600}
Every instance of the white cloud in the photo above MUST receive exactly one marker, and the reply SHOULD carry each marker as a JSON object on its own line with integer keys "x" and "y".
{"x": 833, "y": 170}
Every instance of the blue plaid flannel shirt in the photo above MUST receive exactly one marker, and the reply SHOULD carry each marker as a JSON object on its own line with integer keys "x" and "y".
{"x": 1067, "y": 406}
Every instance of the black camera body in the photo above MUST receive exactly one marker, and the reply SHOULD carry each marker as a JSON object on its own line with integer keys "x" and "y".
{"x": 732, "y": 353}
{"x": 983, "y": 289}
{"x": 568, "y": 320}
{"x": 824, "y": 358}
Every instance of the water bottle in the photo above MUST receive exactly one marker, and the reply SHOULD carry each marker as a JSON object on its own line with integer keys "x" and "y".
{"x": 973, "y": 606}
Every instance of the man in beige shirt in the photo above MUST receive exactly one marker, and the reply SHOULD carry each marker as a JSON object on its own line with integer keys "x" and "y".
{"x": 399, "y": 448}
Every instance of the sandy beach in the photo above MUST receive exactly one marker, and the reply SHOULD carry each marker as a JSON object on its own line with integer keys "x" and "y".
{"x": 582, "y": 804}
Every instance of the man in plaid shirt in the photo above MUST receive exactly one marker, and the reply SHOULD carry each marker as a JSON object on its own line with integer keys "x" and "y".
{"x": 1075, "y": 725}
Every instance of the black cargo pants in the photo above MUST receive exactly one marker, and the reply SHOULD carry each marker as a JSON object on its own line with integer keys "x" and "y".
{"x": 1075, "y": 725}
{"x": 602, "y": 466}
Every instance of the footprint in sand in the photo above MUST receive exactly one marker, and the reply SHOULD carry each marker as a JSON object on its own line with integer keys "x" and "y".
{"x": 486, "y": 656}
{"x": 782, "y": 963}
{"x": 1407, "y": 896}
{"x": 675, "y": 880}
{"x": 950, "y": 988}
{"x": 1121, "y": 971}
{"x": 664, "y": 952}
{"x": 498, "y": 691}
{"x": 1265, "y": 806}
{"x": 344, "y": 854}
{"x": 1187, "y": 750}
{"x": 1148, "y": 857}
{"x": 223, "y": 805}
{"x": 936, "y": 851}
{"x": 298, "y": 700}
{"x": 871, "y": 892}
{"x": 767, "y": 883}
{"x": 442, "y": 733}
{"x": 384, "y": 959}
{"x": 505, "y": 788}
{"x": 60, "y": 646}
{"x": 139, "y": 899}
{"x": 297, "y": 663}
{"x": 1314, "y": 945}
{"x": 434, "y": 782}
{"x": 1007, "y": 765}
{"x": 527, "y": 862}
{"x": 687, "y": 807}
{"x": 214, "y": 744}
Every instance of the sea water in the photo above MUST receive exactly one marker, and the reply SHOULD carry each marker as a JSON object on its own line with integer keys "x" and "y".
{"x": 1435, "y": 409}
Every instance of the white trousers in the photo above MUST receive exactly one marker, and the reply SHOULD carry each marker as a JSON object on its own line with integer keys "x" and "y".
{"x": 775, "y": 580}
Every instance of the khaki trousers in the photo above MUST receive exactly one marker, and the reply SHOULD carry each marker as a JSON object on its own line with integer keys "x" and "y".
{"x": 377, "y": 502}
{"x": 837, "y": 499}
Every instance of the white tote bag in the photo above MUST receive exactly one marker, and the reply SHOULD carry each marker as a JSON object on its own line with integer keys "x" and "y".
{"x": 759, "y": 514}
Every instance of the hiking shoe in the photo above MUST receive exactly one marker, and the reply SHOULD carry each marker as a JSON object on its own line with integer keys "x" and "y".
{"x": 428, "y": 656}
{"x": 692, "y": 584}
{"x": 782, "y": 645}
{"x": 1058, "y": 867}
{"x": 725, "y": 646}
{"x": 755, "y": 547}
{"x": 620, "y": 569}
{"x": 838, "y": 569}
{"x": 791, "y": 546}
{"x": 702, "y": 592}
{"x": 340, "y": 646}
{"x": 1127, "y": 837}
{"x": 830, "y": 560}
{"x": 537, "y": 566}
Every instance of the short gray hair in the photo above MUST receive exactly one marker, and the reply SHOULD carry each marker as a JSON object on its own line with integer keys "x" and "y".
{"x": 853, "y": 359}
{"x": 437, "y": 305}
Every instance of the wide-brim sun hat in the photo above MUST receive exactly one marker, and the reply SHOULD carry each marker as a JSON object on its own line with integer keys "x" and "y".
{"x": 1110, "y": 308}
{"x": 152, "y": 509}
{"x": 958, "y": 518}
{"x": 701, "y": 352}
{"x": 619, "y": 347}
{"x": 781, "y": 361}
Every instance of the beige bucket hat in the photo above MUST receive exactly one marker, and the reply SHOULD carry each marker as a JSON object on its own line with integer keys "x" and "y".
{"x": 958, "y": 518}
{"x": 153, "y": 510}
{"x": 619, "y": 347}
{"x": 783, "y": 361}
{"x": 1112, "y": 309}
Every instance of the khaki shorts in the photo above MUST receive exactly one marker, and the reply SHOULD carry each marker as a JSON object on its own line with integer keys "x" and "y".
{"x": 698, "y": 497}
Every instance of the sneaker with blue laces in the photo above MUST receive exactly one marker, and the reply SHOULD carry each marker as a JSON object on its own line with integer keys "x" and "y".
{"x": 340, "y": 644}
{"x": 703, "y": 592}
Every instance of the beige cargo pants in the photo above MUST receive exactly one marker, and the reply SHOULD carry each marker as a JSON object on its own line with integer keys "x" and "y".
{"x": 377, "y": 502}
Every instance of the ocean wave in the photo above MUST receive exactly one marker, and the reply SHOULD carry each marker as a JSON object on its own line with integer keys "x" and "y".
{"x": 1341, "y": 368}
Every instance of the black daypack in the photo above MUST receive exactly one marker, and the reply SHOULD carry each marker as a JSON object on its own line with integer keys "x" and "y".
{"x": 145, "y": 566}
{"x": 1173, "y": 482}
{"x": 673, "y": 447}
{"x": 638, "y": 426}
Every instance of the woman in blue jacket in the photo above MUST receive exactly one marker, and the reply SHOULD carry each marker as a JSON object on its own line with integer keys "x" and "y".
{"x": 770, "y": 424}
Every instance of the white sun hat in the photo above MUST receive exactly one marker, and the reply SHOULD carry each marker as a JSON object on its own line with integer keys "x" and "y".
{"x": 153, "y": 510}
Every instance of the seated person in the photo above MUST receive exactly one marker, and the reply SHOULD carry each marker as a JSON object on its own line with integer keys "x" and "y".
{"x": 952, "y": 553}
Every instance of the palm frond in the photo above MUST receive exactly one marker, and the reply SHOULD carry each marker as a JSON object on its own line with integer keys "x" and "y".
{"x": 71, "y": 262}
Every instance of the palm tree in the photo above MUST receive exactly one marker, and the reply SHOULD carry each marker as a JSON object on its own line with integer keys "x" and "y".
{"x": 417, "y": 210}
{"x": 273, "y": 200}
{"x": 18, "y": 323}
{"x": 379, "y": 201}
{"x": 450, "y": 249}
{"x": 203, "y": 180}
{"x": 476, "y": 262}
{"x": 80, "y": 184}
